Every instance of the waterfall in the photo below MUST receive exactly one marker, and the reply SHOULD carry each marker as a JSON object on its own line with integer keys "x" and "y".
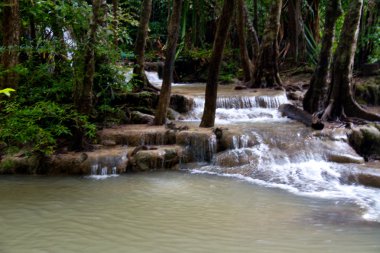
{"x": 273, "y": 151}
{"x": 241, "y": 108}
{"x": 99, "y": 171}
{"x": 290, "y": 160}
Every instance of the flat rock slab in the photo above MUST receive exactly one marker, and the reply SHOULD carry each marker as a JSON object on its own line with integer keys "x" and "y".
{"x": 136, "y": 135}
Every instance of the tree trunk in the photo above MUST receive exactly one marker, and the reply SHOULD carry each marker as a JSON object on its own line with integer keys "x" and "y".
{"x": 315, "y": 97}
{"x": 295, "y": 31}
{"x": 173, "y": 32}
{"x": 115, "y": 23}
{"x": 83, "y": 87}
{"x": 253, "y": 37}
{"x": 60, "y": 47}
{"x": 208, "y": 118}
{"x": 267, "y": 64}
{"x": 139, "y": 78}
{"x": 314, "y": 19}
{"x": 340, "y": 101}
{"x": 11, "y": 40}
{"x": 244, "y": 57}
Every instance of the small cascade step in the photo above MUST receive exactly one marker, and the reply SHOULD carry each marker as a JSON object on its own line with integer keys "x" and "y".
{"x": 245, "y": 102}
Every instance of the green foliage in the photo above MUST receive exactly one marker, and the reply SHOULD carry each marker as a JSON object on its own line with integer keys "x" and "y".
{"x": 37, "y": 127}
{"x": 7, "y": 91}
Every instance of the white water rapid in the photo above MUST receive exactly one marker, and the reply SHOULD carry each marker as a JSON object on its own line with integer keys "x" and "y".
{"x": 273, "y": 151}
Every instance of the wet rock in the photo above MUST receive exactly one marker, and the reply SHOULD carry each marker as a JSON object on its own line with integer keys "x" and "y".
{"x": 141, "y": 118}
{"x": 366, "y": 179}
{"x": 172, "y": 114}
{"x": 231, "y": 139}
{"x": 368, "y": 93}
{"x": 142, "y": 99}
{"x": 108, "y": 142}
{"x": 339, "y": 134}
{"x": 240, "y": 87}
{"x": 295, "y": 95}
{"x": 344, "y": 158}
{"x": 233, "y": 158}
{"x": 154, "y": 159}
{"x": 366, "y": 141}
{"x": 70, "y": 163}
{"x": 200, "y": 145}
{"x": 181, "y": 103}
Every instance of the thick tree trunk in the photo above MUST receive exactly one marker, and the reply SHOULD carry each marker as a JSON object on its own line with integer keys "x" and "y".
{"x": 315, "y": 97}
{"x": 139, "y": 78}
{"x": 208, "y": 118}
{"x": 11, "y": 40}
{"x": 267, "y": 65}
{"x": 173, "y": 32}
{"x": 340, "y": 101}
{"x": 294, "y": 12}
{"x": 244, "y": 57}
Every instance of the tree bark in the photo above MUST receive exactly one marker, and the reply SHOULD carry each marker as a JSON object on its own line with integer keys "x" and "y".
{"x": 83, "y": 95}
{"x": 315, "y": 97}
{"x": 11, "y": 41}
{"x": 173, "y": 32}
{"x": 139, "y": 78}
{"x": 314, "y": 19}
{"x": 295, "y": 32}
{"x": 115, "y": 23}
{"x": 244, "y": 57}
{"x": 267, "y": 64}
{"x": 304, "y": 117}
{"x": 340, "y": 101}
{"x": 208, "y": 118}
{"x": 252, "y": 32}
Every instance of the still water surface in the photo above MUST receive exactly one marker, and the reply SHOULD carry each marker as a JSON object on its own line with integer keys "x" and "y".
{"x": 173, "y": 212}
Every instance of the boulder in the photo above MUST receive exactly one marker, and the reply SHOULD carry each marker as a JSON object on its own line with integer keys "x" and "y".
{"x": 344, "y": 158}
{"x": 234, "y": 158}
{"x": 365, "y": 178}
{"x": 141, "y": 118}
{"x": 366, "y": 141}
{"x": 154, "y": 159}
{"x": 181, "y": 103}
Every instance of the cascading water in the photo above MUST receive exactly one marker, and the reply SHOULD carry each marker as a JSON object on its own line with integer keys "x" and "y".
{"x": 286, "y": 155}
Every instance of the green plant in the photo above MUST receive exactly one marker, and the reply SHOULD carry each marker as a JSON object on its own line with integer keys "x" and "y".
{"x": 36, "y": 128}
{"x": 7, "y": 91}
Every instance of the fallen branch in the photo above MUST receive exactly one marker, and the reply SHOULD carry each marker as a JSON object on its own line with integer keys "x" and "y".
{"x": 302, "y": 116}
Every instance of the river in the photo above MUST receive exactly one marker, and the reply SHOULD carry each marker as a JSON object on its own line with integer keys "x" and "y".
{"x": 173, "y": 212}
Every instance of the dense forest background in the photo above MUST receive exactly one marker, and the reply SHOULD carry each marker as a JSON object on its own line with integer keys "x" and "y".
{"x": 67, "y": 60}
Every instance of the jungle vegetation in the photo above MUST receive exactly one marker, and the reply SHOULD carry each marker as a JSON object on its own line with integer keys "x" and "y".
{"x": 66, "y": 60}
